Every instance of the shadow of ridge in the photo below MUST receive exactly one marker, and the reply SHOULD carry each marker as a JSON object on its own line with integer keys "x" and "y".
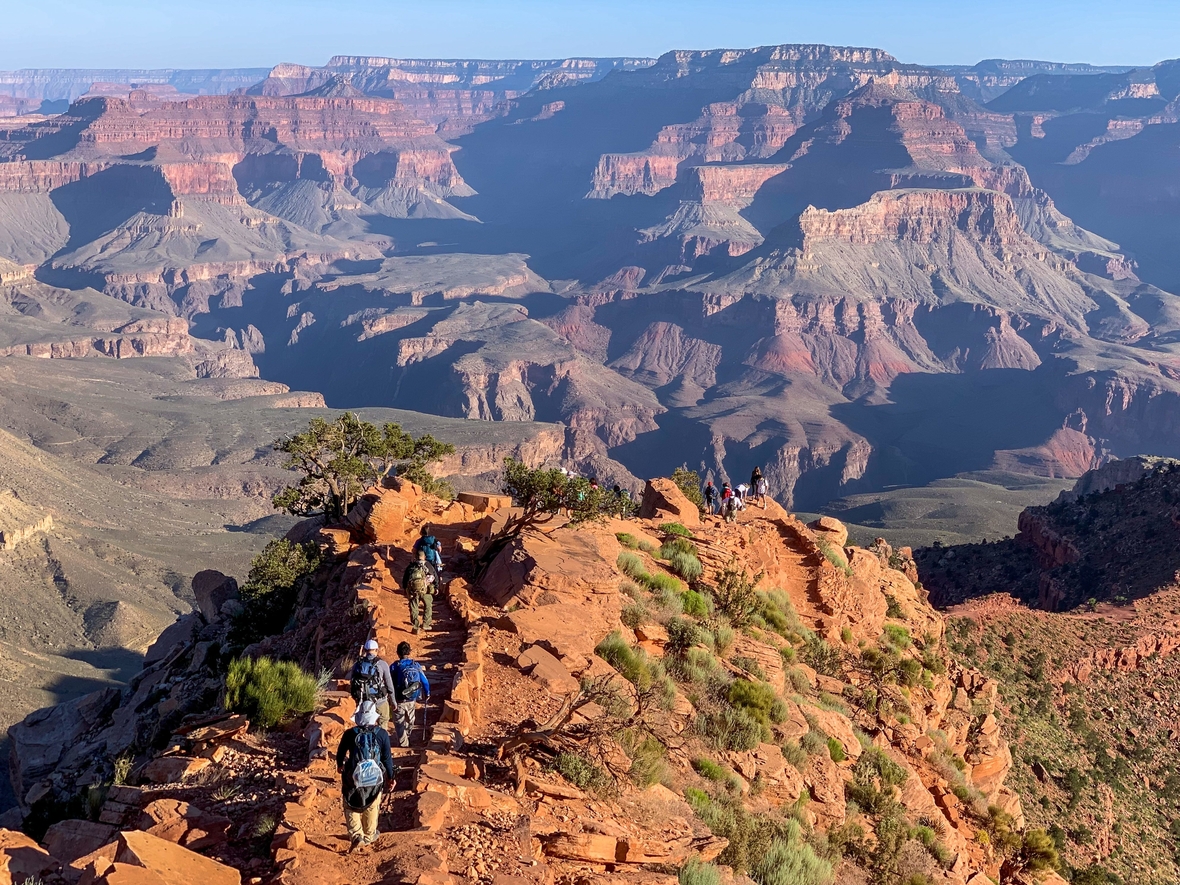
{"x": 121, "y": 663}
{"x": 940, "y": 425}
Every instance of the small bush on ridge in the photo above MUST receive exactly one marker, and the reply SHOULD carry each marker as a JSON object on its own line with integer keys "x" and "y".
{"x": 267, "y": 691}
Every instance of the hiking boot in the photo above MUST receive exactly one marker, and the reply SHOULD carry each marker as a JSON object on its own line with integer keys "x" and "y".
{"x": 356, "y": 844}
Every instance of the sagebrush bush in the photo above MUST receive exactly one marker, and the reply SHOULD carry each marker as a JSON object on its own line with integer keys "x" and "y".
{"x": 729, "y": 728}
{"x": 627, "y": 540}
{"x": 634, "y": 614}
{"x": 677, "y": 544}
{"x": 631, "y": 566}
{"x": 697, "y": 872}
{"x": 735, "y": 595}
{"x": 675, "y": 528}
{"x": 269, "y": 692}
{"x": 836, "y": 750}
{"x": 710, "y": 770}
{"x": 795, "y": 754}
{"x": 583, "y": 773}
{"x": 686, "y": 565}
{"x": 750, "y": 835}
{"x": 648, "y": 759}
{"x": 791, "y": 861}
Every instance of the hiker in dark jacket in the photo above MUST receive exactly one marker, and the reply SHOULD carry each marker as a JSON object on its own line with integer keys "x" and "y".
{"x": 410, "y": 686}
{"x": 420, "y": 584}
{"x": 366, "y": 770}
{"x": 370, "y": 681}
{"x": 710, "y": 498}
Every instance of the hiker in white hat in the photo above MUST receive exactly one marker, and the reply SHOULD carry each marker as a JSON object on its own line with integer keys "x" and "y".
{"x": 366, "y": 771}
{"x": 372, "y": 681}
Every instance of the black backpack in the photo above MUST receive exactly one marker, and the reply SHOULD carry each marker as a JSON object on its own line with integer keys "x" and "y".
{"x": 408, "y": 680}
{"x": 367, "y": 684}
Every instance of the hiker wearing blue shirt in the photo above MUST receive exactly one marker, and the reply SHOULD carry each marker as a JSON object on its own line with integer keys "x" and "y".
{"x": 431, "y": 545}
{"x": 365, "y": 765}
{"x": 409, "y": 687}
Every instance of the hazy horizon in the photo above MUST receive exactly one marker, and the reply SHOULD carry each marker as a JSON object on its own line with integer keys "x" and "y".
{"x": 261, "y": 33}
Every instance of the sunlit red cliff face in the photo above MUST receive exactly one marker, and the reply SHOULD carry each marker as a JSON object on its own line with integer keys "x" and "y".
{"x": 722, "y": 258}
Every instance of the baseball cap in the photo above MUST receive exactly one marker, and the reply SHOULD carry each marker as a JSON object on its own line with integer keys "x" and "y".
{"x": 371, "y": 645}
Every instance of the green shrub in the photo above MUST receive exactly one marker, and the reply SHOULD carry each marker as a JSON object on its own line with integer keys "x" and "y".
{"x": 695, "y": 604}
{"x": 583, "y": 773}
{"x": 647, "y": 547}
{"x": 897, "y": 636}
{"x": 277, "y": 575}
{"x": 269, "y": 692}
{"x": 729, "y": 728}
{"x": 697, "y": 872}
{"x": 836, "y": 750}
{"x": 658, "y": 582}
{"x": 677, "y": 544}
{"x": 630, "y": 588}
{"x": 722, "y": 638}
{"x": 629, "y": 662}
{"x": 675, "y": 528}
{"x": 689, "y": 483}
{"x": 696, "y": 666}
{"x": 735, "y": 595}
{"x": 791, "y": 861}
{"x": 627, "y": 540}
{"x": 846, "y": 635}
{"x": 893, "y": 608}
{"x": 686, "y": 565}
{"x": 631, "y": 566}
{"x": 710, "y": 770}
{"x": 758, "y": 700}
{"x": 873, "y": 778}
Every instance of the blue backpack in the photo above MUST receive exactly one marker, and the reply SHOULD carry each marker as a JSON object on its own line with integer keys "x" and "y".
{"x": 366, "y": 680}
{"x": 407, "y": 678}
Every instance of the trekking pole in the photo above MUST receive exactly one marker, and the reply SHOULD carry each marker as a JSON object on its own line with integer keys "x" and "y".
{"x": 424, "y": 718}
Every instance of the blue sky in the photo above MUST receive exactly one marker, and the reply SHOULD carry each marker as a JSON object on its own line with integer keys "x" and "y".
{"x": 258, "y": 33}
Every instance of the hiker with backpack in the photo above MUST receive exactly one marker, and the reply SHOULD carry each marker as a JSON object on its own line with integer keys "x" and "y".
{"x": 371, "y": 681}
{"x": 365, "y": 765}
{"x": 433, "y": 547}
{"x": 756, "y": 483}
{"x": 410, "y": 686}
{"x": 710, "y": 498}
{"x": 420, "y": 584}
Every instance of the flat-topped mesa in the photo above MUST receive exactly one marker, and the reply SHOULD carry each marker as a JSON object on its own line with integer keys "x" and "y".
{"x": 776, "y": 90}
{"x": 921, "y": 216}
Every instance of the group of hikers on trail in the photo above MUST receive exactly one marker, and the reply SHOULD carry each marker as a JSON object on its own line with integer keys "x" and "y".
{"x": 385, "y": 693}
{"x": 727, "y": 501}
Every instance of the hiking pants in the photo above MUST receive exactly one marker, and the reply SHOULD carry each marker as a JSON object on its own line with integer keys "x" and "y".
{"x": 362, "y": 824}
{"x": 382, "y": 706}
{"x": 404, "y": 715}
{"x": 424, "y": 603}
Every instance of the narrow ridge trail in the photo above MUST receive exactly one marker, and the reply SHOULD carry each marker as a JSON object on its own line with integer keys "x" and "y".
{"x": 323, "y": 860}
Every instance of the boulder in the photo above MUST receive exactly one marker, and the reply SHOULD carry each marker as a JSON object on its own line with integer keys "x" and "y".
{"x": 547, "y": 670}
{"x": 128, "y": 874}
{"x": 561, "y": 628}
{"x": 831, "y": 530}
{"x": 173, "y": 769}
{"x": 662, "y": 499}
{"x": 181, "y": 630}
{"x": 174, "y": 864}
{"x": 25, "y": 859}
{"x": 213, "y": 590}
{"x": 183, "y": 824}
{"x": 386, "y": 520}
{"x": 42, "y": 738}
{"x": 482, "y": 503}
{"x": 68, "y": 840}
